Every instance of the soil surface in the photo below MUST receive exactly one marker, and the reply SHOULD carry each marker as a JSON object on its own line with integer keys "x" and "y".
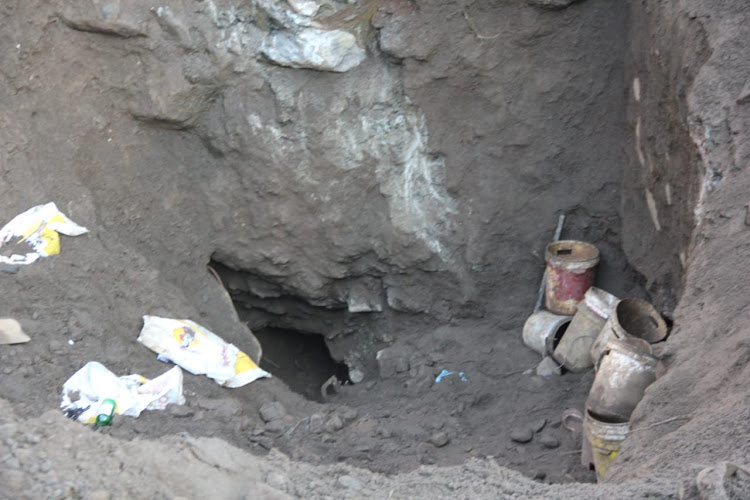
{"x": 398, "y": 213}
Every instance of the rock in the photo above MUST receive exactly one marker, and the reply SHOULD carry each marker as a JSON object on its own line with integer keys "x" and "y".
{"x": 552, "y": 4}
{"x": 334, "y": 423}
{"x": 522, "y": 435}
{"x": 317, "y": 422}
{"x": 348, "y": 414}
{"x": 275, "y": 426}
{"x": 539, "y": 475}
{"x": 348, "y": 483}
{"x": 356, "y": 375}
{"x": 45, "y": 466}
{"x": 538, "y": 424}
{"x": 335, "y": 50}
{"x": 106, "y": 19}
{"x": 392, "y": 361}
{"x": 439, "y": 439}
{"x": 264, "y": 442}
{"x": 272, "y": 411}
{"x": 305, "y": 7}
{"x": 548, "y": 368}
{"x": 549, "y": 441}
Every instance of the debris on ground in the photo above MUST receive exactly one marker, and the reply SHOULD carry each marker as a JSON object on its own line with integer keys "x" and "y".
{"x": 199, "y": 351}
{"x": 85, "y": 392}
{"x": 38, "y": 227}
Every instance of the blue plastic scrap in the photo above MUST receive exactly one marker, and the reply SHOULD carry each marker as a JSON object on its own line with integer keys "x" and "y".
{"x": 445, "y": 373}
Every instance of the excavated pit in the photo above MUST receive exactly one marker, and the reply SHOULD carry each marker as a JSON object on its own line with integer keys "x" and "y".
{"x": 383, "y": 223}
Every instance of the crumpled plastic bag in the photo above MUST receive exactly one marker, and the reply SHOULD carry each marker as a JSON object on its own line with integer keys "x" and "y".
{"x": 199, "y": 351}
{"x": 39, "y": 227}
{"x": 132, "y": 394}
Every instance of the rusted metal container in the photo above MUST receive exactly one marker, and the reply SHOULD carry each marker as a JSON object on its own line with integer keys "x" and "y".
{"x": 574, "y": 349}
{"x": 625, "y": 370}
{"x": 571, "y": 269}
{"x": 630, "y": 318}
{"x": 603, "y": 440}
{"x": 542, "y": 329}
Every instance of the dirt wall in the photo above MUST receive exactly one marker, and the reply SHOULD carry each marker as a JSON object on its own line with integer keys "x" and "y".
{"x": 697, "y": 412}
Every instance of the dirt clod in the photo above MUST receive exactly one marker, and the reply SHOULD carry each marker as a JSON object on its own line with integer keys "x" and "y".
{"x": 272, "y": 411}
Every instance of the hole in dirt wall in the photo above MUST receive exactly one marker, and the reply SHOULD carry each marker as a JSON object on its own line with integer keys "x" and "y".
{"x": 302, "y": 343}
{"x": 302, "y": 360}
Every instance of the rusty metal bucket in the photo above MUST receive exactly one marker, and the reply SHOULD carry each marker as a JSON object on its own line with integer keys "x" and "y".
{"x": 625, "y": 370}
{"x": 574, "y": 349}
{"x": 543, "y": 329}
{"x": 571, "y": 268}
{"x": 604, "y": 441}
{"x": 630, "y": 318}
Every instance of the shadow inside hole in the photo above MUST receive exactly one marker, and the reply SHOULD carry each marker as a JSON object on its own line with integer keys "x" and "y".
{"x": 300, "y": 359}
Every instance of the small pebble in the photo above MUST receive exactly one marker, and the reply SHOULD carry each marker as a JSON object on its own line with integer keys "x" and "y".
{"x": 548, "y": 368}
{"x": 45, "y": 466}
{"x": 265, "y": 442}
{"x": 549, "y": 442}
{"x": 317, "y": 422}
{"x": 439, "y": 439}
{"x": 538, "y": 425}
{"x": 272, "y": 411}
{"x": 275, "y": 426}
{"x": 349, "y": 414}
{"x": 523, "y": 435}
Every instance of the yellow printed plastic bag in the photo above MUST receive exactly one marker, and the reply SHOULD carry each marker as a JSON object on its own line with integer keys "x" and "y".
{"x": 199, "y": 351}
{"x": 132, "y": 394}
{"x": 39, "y": 227}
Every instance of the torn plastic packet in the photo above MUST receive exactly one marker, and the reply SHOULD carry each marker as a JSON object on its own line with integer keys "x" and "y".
{"x": 94, "y": 383}
{"x": 39, "y": 227}
{"x": 199, "y": 351}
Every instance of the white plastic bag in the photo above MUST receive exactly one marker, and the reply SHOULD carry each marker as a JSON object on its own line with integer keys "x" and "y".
{"x": 199, "y": 351}
{"x": 38, "y": 226}
{"x": 132, "y": 394}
